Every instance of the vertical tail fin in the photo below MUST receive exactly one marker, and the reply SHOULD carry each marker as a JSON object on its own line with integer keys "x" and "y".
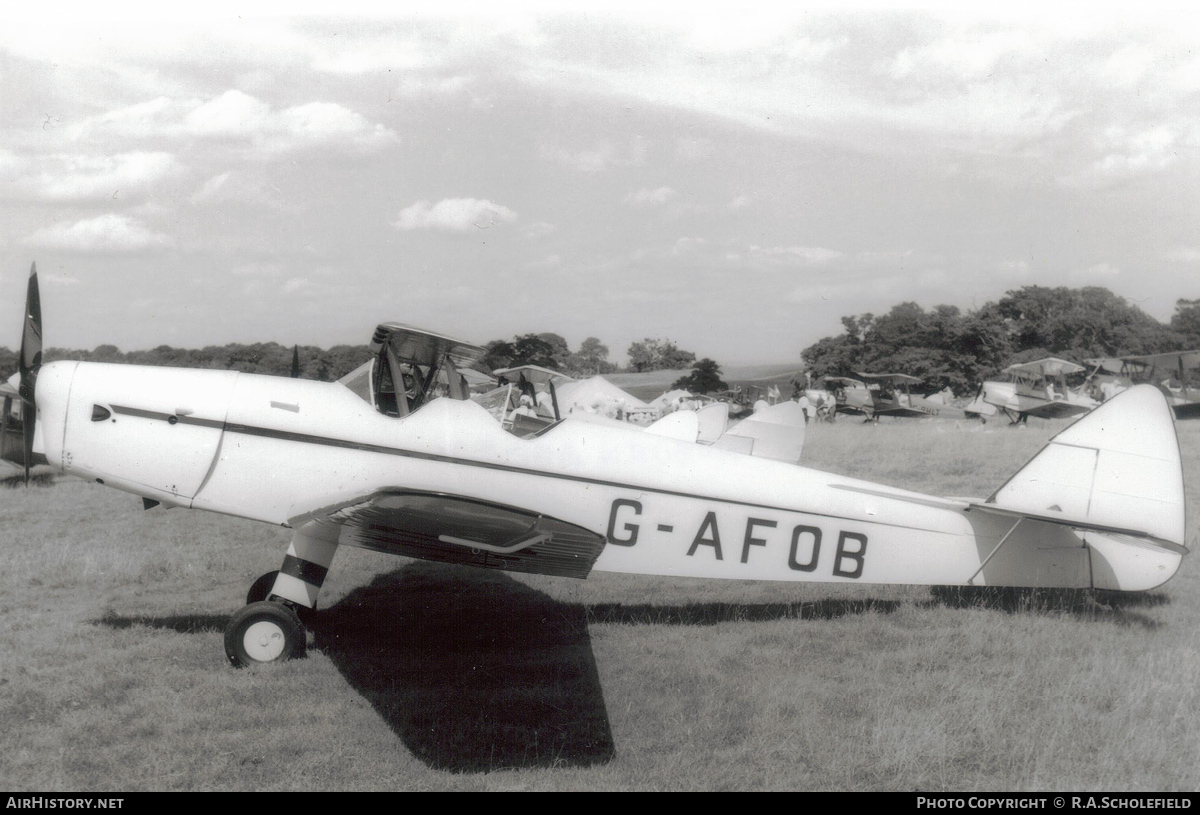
{"x": 1116, "y": 473}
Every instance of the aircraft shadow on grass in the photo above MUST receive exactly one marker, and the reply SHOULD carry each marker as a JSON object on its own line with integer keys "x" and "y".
{"x": 475, "y": 671}
{"x": 472, "y": 670}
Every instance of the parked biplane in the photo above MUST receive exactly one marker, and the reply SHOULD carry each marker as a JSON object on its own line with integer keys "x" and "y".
{"x": 875, "y": 395}
{"x": 1037, "y": 388}
{"x": 394, "y": 458}
{"x": 1171, "y": 372}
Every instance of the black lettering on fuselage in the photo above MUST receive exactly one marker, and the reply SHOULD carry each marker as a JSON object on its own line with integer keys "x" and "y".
{"x": 750, "y": 540}
{"x": 710, "y": 523}
{"x": 843, "y": 554}
{"x": 816, "y": 548}
{"x": 630, "y": 530}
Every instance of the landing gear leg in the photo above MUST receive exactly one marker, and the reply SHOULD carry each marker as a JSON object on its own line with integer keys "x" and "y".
{"x": 270, "y": 627}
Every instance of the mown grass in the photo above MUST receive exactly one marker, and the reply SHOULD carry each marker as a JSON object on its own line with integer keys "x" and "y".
{"x": 424, "y": 676}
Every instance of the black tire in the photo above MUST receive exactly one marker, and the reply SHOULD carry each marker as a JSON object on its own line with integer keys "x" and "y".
{"x": 261, "y": 589}
{"x": 264, "y": 632}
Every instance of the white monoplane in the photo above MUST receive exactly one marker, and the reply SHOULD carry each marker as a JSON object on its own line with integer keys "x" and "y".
{"x": 394, "y": 458}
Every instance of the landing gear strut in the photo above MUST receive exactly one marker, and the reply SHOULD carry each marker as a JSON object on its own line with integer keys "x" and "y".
{"x": 271, "y": 626}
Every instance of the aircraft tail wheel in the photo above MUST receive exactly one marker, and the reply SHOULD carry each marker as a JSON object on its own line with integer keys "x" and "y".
{"x": 264, "y": 632}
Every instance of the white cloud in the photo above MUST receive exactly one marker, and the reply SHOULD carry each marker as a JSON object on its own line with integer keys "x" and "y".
{"x": 807, "y": 254}
{"x": 416, "y": 85}
{"x": 107, "y": 233}
{"x": 88, "y": 177}
{"x": 1128, "y": 65}
{"x": 239, "y": 118}
{"x": 9, "y": 161}
{"x": 1138, "y": 152}
{"x": 453, "y": 215}
{"x": 232, "y": 114}
{"x": 966, "y": 55}
{"x": 600, "y": 157}
{"x": 327, "y": 123}
{"x": 741, "y": 202}
{"x": 651, "y": 197}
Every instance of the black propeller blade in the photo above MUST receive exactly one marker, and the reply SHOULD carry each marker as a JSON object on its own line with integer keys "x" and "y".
{"x": 30, "y": 363}
{"x": 295, "y": 362}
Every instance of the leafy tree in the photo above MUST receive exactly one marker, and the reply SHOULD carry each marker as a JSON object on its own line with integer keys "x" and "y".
{"x": 498, "y": 354}
{"x": 946, "y": 347}
{"x": 1081, "y": 323}
{"x": 526, "y": 349}
{"x": 559, "y": 350}
{"x": 658, "y": 355}
{"x": 590, "y": 359}
{"x": 1186, "y": 322}
{"x": 704, "y": 378}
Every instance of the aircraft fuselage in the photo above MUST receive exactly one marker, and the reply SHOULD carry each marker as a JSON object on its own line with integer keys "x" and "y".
{"x": 272, "y": 448}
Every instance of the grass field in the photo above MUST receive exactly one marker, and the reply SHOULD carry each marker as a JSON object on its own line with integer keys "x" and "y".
{"x": 429, "y": 677}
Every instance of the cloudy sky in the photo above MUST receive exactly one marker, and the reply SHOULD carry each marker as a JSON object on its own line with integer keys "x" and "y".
{"x": 733, "y": 181}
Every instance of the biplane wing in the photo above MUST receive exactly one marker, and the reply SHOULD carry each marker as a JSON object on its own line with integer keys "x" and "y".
{"x": 419, "y": 346}
{"x": 1169, "y": 361}
{"x": 1054, "y": 410}
{"x": 1050, "y": 366}
{"x": 894, "y": 379}
{"x": 532, "y": 373}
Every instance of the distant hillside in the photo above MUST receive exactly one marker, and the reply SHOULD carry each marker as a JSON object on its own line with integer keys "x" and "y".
{"x": 650, "y": 384}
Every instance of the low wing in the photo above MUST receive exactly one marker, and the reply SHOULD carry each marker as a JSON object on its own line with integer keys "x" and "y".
{"x": 903, "y": 412}
{"x": 455, "y": 529}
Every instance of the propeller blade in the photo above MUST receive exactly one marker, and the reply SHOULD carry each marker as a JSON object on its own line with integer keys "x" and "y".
{"x": 295, "y": 362}
{"x": 30, "y": 362}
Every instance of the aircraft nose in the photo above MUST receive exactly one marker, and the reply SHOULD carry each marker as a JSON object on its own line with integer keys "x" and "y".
{"x": 52, "y": 395}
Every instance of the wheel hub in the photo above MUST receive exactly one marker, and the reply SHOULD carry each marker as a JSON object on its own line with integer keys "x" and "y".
{"x": 264, "y": 641}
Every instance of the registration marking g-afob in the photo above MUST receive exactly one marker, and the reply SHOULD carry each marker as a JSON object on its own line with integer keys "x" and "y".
{"x": 698, "y": 538}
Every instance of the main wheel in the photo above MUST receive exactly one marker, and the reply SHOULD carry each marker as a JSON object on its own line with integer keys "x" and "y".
{"x": 261, "y": 589}
{"x": 264, "y": 632}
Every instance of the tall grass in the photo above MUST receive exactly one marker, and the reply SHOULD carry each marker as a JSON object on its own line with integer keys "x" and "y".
{"x": 425, "y": 676}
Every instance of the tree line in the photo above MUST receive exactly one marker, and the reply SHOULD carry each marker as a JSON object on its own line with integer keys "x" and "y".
{"x": 947, "y": 347}
{"x": 547, "y": 349}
